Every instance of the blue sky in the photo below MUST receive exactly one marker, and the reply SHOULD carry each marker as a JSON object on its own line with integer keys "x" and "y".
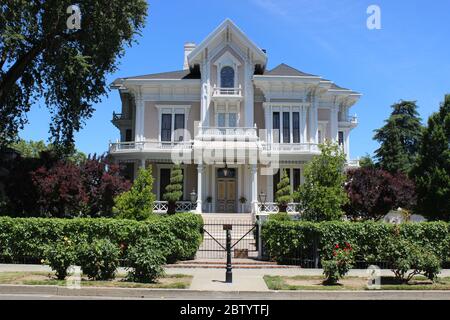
{"x": 409, "y": 58}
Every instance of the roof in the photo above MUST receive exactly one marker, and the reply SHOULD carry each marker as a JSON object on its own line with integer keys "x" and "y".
{"x": 171, "y": 75}
{"x": 288, "y": 71}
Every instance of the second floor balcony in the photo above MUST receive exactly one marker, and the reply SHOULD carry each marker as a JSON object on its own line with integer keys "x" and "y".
{"x": 227, "y": 133}
{"x": 227, "y": 93}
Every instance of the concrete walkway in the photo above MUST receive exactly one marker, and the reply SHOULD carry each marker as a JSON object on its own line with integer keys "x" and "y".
{"x": 207, "y": 279}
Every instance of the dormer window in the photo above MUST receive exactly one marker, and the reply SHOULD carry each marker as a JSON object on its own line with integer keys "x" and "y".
{"x": 227, "y": 77}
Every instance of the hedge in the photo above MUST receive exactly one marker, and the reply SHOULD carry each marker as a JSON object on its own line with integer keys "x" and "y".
{"x": 24, "y": 239}
{"x": 294, "y": 241}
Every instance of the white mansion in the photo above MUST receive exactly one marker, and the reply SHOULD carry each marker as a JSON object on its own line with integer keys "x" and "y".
{"x": 223, "y": 97}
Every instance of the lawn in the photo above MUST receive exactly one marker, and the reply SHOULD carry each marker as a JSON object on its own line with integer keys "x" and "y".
{"x": 176, "y": 281}
{"x": 352, "y": 283}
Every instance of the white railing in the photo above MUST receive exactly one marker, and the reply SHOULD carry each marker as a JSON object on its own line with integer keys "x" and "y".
{"x": 227, "y": 92}
{"x": 299, "y": 147}
{"x": 181, "y": 206}
{"x": 224, "y": 133}
{"x": 148, "y": 145}
{"x": 353, "y": 163}
{"x": 272, "y": 207}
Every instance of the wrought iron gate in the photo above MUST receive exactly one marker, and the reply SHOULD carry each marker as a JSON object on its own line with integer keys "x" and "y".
{"x": 244, "y": 240}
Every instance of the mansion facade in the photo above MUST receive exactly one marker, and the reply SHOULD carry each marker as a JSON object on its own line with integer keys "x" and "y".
{"x": 226, "y": 116}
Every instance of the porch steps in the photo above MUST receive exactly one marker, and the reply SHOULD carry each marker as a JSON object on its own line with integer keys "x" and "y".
{"x": 236, "y": 263}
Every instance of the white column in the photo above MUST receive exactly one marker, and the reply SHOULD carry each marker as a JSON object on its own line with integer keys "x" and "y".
{"x": 143, "y": 163}
{"x": 347, "y": 143}
{"x": 205, "y": 93}
{"x": 139, "y": 120}
{"x": 199, "y": 188}
{"x": 303, "y": 131}
{"x": 254, "y": 178}
{"x": 313, "y": 121}
{"x": 334, "y": 123}
{"x": 269, "y": 188}
{"x": 249, "y": 95}
{"x": 239, "y": 183}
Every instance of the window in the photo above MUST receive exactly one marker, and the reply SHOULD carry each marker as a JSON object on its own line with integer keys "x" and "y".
{"x": 128, "y": 135}
{"x": 227, "y": 77}
{"x": 221, "y": 120}
{"x": 286, "y": 128}
{"x": 341, "y": 138}
{"x": 296, "y": 127}
{"x": 276, "y": 127}
{"x": 232, "y": 120}
{"x": 179, "y": 124}
{"x": 276, "y": 181}
{"x": 296, "y": 179}
{"x": 166, "y": 127}
{"x": 164, "y": 180}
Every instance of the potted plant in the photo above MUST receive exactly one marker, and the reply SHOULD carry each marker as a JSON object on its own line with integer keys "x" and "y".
{"x": 283, "y": 194}
{"x": 243, "y": 201}
{"x": 209, "y": 201}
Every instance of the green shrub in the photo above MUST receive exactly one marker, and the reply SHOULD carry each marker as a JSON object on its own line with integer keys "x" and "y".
{"x": 338, "y": 266}
{"x": 281, "y": 216}
{"x": 145, "y": 261}
{"x": 26, "y": 238}
{"x": 137, "y": 203}
{"x": 408, "y": 259}
{"x": 60, "y": 256}
{"x": 99, "y": 259}
{"x": 174, "y": 191}
{"x": 283, "y": 193}
{"x": 288, "y": 240}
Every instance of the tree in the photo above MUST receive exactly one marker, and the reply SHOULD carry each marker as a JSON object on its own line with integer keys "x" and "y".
{"x": 366, "y": 162}
{"x": 283, "y": 193}
{"x": 102, "y": 182}
{"x": 174, "y": 191}
{"x": 322, "y": 195}
{"x": 137, "y": 203}
{"x": 374, "y": 192}
{"x": 399, "y": 138}
{"x": 432, "y": 171}
{"x": 41, "y": 57}
{"x": 33, "y": 149}
{"x": 60, "y": 190}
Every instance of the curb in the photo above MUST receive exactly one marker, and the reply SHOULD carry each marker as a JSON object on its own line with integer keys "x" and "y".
{"x": 187, "y": 294}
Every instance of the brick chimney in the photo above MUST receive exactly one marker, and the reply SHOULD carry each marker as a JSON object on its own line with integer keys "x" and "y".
{"x": 188, "y": 48}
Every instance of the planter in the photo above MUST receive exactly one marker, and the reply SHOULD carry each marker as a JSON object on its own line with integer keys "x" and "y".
{"x": 282, "y": 207}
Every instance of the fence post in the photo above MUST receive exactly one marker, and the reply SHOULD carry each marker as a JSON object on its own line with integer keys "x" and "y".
{"x": 229, "y": 272}
{"x": 260, "y": 248}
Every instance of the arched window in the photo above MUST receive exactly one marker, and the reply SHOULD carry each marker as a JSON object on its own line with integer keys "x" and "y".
{"x": 227, "y": 77}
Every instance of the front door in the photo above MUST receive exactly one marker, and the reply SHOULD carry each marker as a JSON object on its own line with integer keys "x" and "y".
{"x": 226, "y": 192}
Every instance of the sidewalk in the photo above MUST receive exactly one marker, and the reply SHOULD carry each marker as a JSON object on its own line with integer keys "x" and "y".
{"x": 209, "y": 284}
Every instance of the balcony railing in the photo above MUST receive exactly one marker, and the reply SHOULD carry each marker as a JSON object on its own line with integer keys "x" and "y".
{"x": 226, "y": 133}
{"x": 227, "y": 92}
{"x": 272, "y": 207}
{"x": 148, "y": 146}
{"x": 181, "y": 206}
{"x": 291, "y": 147}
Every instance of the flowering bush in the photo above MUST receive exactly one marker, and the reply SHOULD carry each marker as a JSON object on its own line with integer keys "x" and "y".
{"x": 99, "y": 259}
{"x": 407, "y": 259}
{"x": 339, "y": 265}
{"x": 60, "y": 256}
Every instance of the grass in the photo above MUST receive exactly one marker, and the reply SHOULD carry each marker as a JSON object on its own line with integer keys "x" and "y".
{"x": 175, "y": 281}
{"x": 352, "y": 283}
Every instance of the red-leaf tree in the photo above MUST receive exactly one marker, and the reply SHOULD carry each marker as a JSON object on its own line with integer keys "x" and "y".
{"x": 61, "y": 191}
{"x": 87, "y": 189}
{"x": 102, "y": 182}
{"x": 374, "y": 192}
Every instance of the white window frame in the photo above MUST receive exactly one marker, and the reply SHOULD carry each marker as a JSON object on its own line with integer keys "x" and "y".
{"x": 173, "y": 110}
{"x": 227, "y": 60}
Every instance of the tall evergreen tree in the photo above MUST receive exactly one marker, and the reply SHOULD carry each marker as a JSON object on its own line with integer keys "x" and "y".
{"x": 174, "y": 191}
{"x": 432, "y": 171}
{"x": 399, "y": 138}
{"x": 283, "y": 194}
